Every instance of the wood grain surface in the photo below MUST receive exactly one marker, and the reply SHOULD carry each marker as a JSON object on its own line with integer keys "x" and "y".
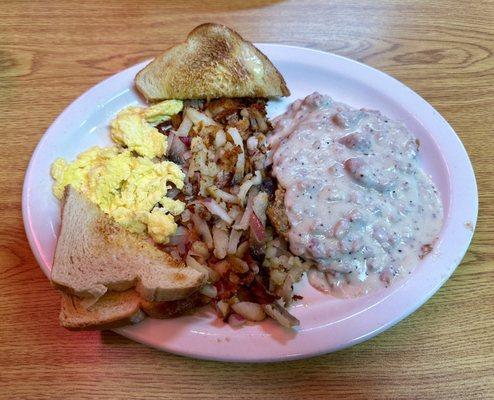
{"x": 51, "y": 52}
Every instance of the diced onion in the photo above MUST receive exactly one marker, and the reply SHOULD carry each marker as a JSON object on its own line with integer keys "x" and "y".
{"x": 240, "y": 165}
{"x": 220, "y": 240}
{"x": 220, "y": 138}
{"x": 249, "y": 310}
{"x": 279, "y": 314}
{"x": 243, "y": 224}
{"x": 233, "y": 241}
{"x": 176, "y": 149}
{"x": 223, "y": 308}
{"x": 234, "y": 212}
{"x": 245, "y": 187}
{"x": 184, "y": 128}
{"x": 193, "y": 263}
{"x": 252, "y": 143}
{"x": 214, "y": 208}
{"x": 261, "y": 121}
{"x": 286, "y": 290}
{"x": 257, "y": 228}
{"x": 187, "y": 140}
{"x": 196, "y": 117}
{"x": 259, "y": 206}
{"x": 200, "y": 249}
{"x": 203, "y": 230}
{"x": 209, "y": 291}
{"x": 219, "y": 194}
{"x": 192, "y": 169}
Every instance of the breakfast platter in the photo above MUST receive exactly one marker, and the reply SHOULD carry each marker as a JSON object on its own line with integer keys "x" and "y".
{"x": 321, "y": 309}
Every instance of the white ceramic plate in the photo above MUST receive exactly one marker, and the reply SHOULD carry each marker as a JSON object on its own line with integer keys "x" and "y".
{"x": 327, "y": 323}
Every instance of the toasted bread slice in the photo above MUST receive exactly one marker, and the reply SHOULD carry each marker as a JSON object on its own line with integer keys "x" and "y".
{"x": 115, "y": 309}
{"x": 214, "y": 62}
{"x": 112, "y": 310}
{"x": 95, "y": 254}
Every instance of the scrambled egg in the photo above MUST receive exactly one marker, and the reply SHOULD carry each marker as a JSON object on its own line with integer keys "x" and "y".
{"x": 130, "y": 188}
{"x": 133, "y": 127}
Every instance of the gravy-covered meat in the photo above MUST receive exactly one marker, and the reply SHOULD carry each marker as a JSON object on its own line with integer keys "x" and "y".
{"x": 356, "y": 200}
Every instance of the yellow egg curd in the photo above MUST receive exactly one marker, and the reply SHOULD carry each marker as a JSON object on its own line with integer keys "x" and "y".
{"x": 128, "y": 182}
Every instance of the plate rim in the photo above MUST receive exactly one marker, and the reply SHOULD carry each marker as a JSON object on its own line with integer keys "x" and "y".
{"x": 264, "y": 47}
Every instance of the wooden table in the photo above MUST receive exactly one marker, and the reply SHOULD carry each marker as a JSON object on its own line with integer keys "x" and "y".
{"x": 51, "y": 52}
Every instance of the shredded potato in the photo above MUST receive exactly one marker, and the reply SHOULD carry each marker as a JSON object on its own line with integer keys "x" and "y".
{"x": 221, "y": 145}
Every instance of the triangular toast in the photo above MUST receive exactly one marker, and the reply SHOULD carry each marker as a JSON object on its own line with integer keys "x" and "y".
{"x": 95, "y": 254}
{"x": 213, "y": 62}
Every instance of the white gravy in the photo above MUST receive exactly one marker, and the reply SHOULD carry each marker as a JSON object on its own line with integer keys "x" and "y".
{"x": 358, "y": 203}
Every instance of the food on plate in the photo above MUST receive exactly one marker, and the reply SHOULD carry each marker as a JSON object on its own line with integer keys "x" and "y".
{"x": 135, "y": 127}
{"x": 94, "y": 254}
{"x": 224, "y": 231}
{"x": 277, "y": 214}
{"x": 214, "y": 62}
{"x": 115, "y": 309}
{"x": 202, "y": 200}
{"x": 112, "y": 253}
{"x": 191, "y": 176}
{"x": 132, "y": 189}
{"x": 356, "y": 200}
{"x": 112, "y": 310}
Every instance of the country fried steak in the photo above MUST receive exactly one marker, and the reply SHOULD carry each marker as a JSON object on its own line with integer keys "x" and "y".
{"x": 276, "y": 213}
